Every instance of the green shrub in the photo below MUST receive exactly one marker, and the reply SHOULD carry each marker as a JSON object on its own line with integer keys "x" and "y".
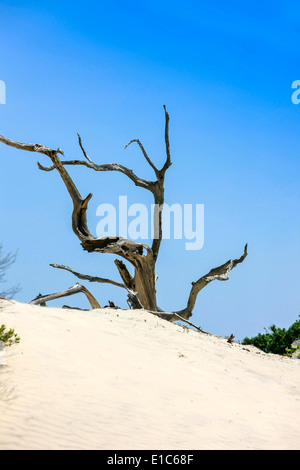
{"x": 8, "y": 337}
{"x": 294, "y": 350}
{"x": 276, "y": 340}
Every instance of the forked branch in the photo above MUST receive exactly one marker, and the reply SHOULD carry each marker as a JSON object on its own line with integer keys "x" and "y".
{"x": 144, "y": 153}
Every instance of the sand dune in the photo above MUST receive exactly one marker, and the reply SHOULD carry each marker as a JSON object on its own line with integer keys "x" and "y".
{"x": 119, "y": 379}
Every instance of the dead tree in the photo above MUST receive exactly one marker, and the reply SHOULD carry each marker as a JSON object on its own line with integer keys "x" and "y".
{"x": 141, "y": 286}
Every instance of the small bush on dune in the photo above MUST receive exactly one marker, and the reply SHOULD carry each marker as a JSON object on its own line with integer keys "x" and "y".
{"x": 276, "y": 340}
{"x": 8, "y": 337}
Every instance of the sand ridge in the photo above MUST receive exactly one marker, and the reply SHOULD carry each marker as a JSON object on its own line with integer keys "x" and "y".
{"x": 124, "y": 379}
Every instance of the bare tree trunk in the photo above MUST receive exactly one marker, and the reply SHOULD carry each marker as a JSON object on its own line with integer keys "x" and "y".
{"x": 144, "y": 282}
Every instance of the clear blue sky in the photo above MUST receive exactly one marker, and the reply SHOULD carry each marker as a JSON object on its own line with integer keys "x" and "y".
{"x": 105, "y": 69}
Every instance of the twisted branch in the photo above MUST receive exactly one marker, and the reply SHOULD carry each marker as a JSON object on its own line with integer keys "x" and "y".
{"x": 221, "y": 273}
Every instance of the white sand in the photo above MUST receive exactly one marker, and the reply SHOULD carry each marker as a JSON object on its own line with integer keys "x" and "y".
{"x": 118, "y": 379}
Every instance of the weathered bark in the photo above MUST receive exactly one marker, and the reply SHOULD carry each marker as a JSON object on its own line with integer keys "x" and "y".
{"x": 144, "y": 282}
{"x": 125, "y": 274}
